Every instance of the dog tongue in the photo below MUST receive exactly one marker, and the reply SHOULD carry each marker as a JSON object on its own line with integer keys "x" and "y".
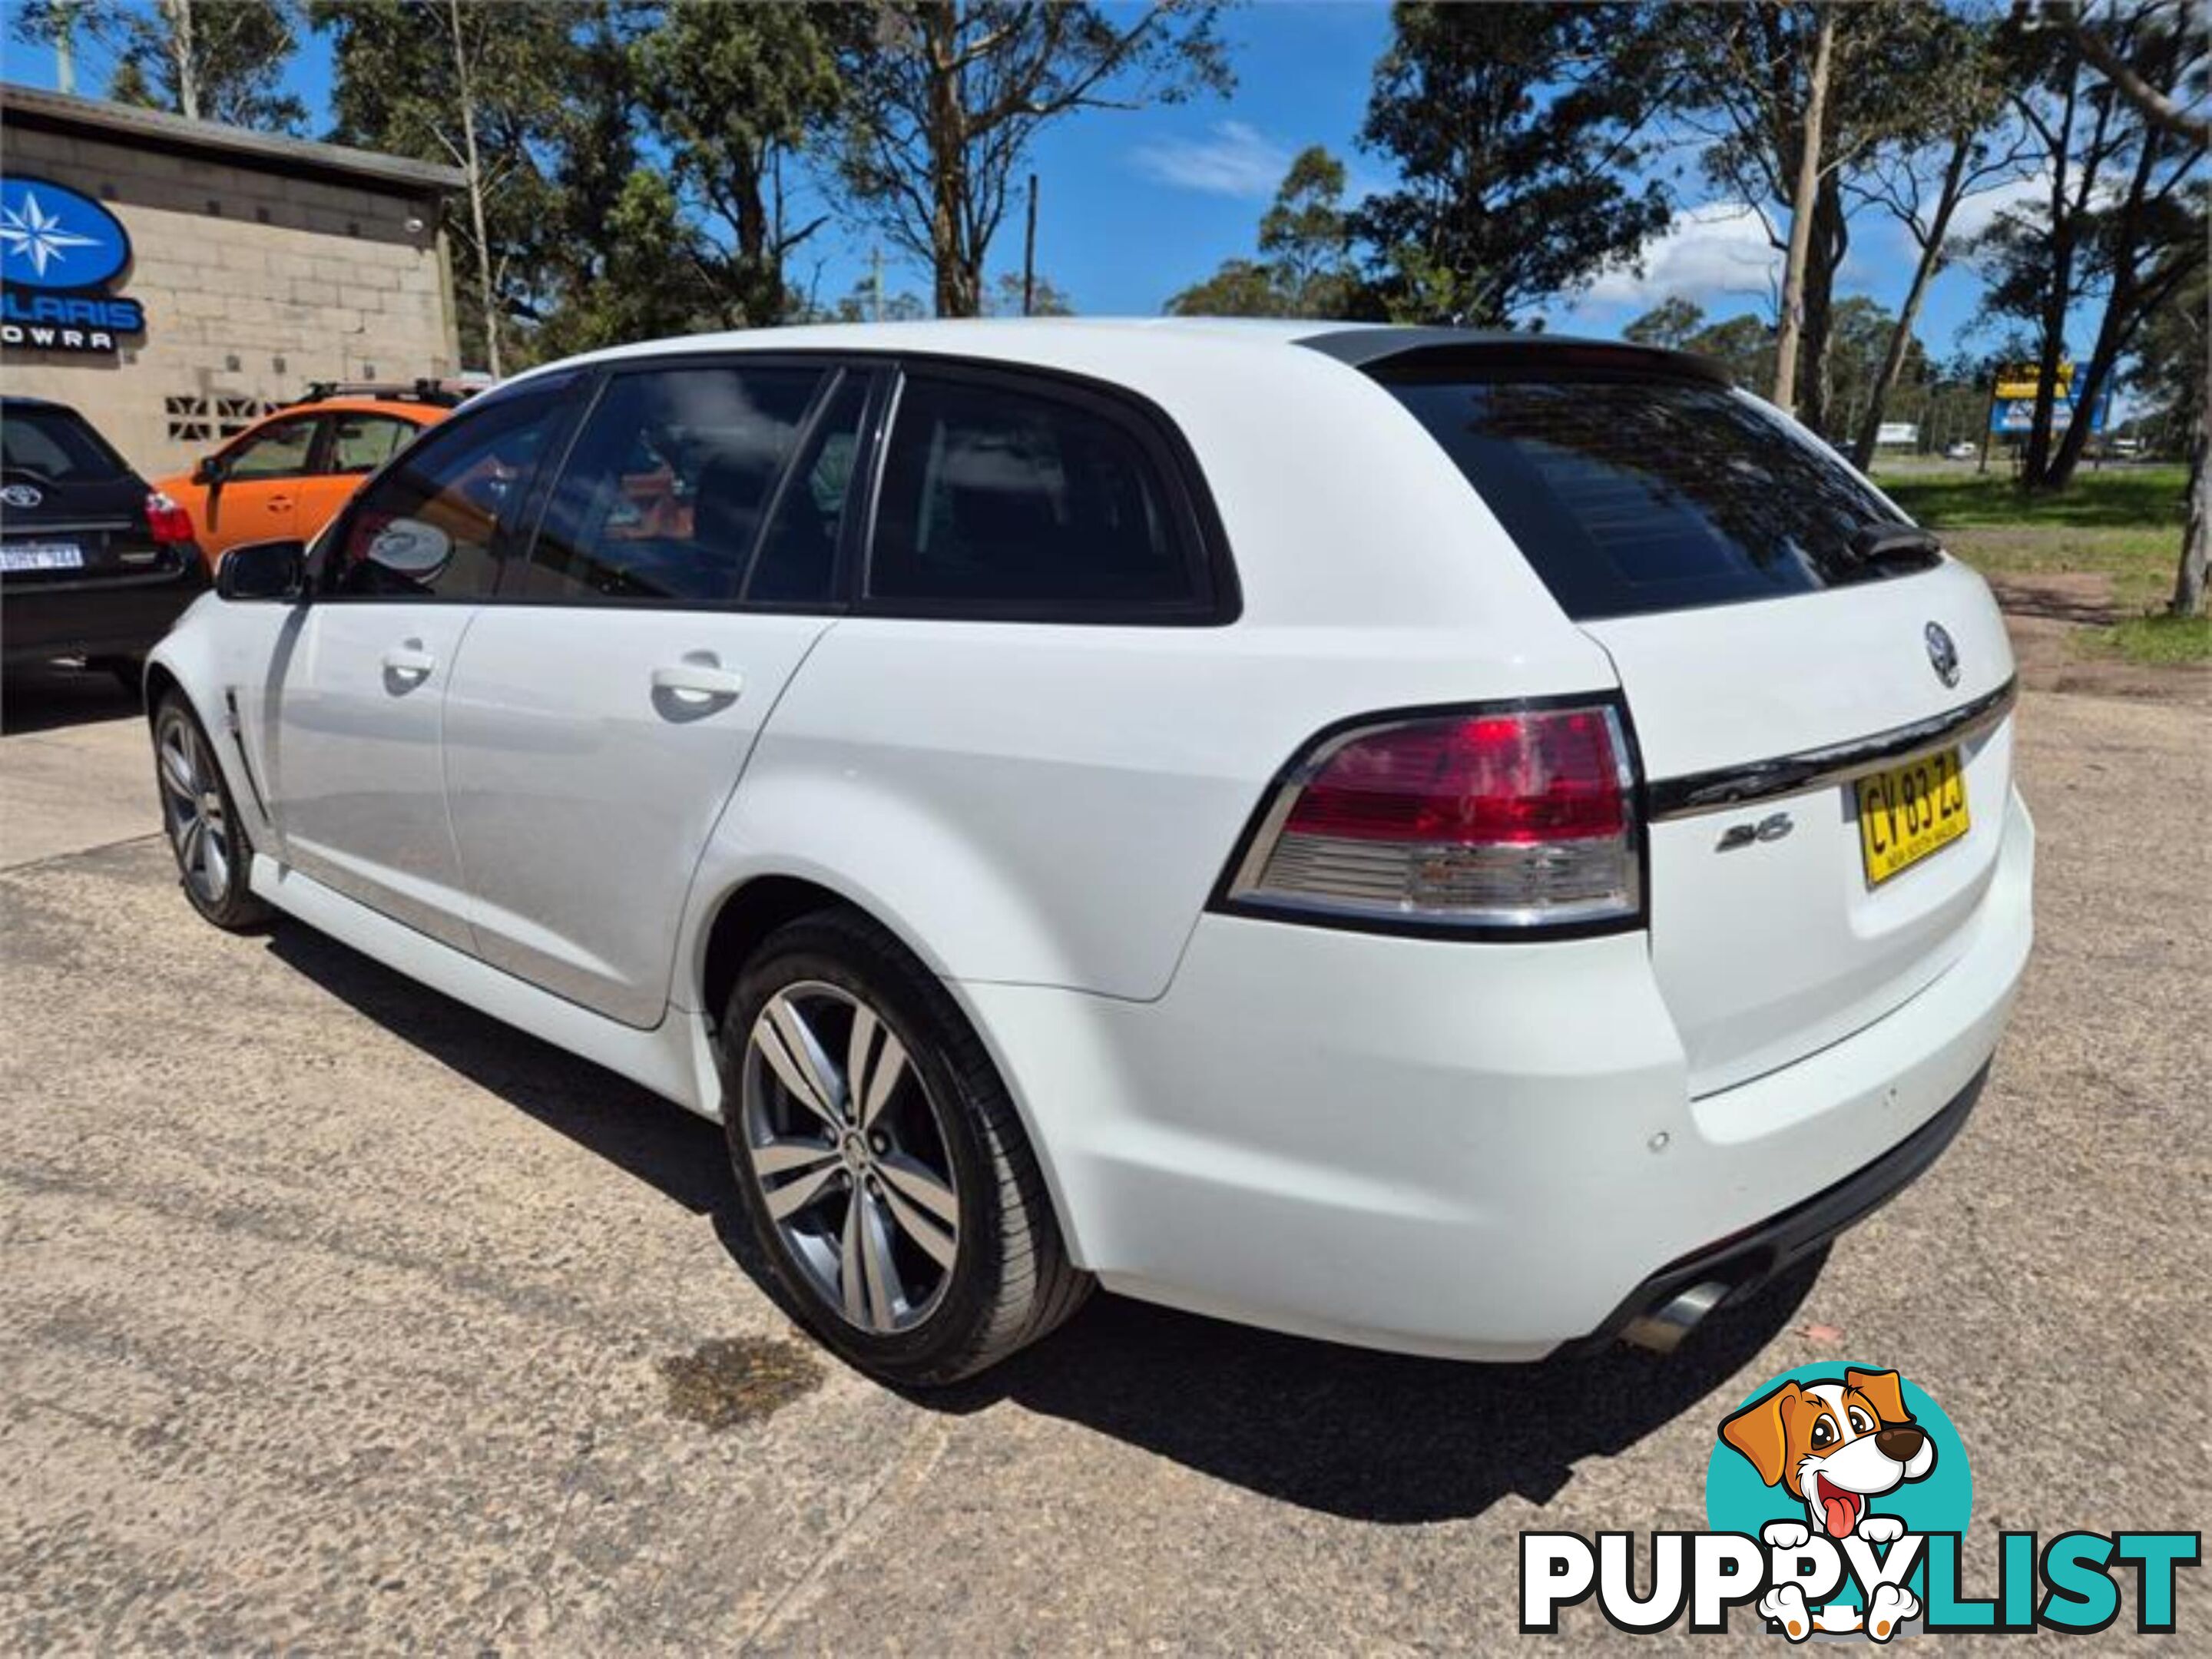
{"x": 1843, "y": 1509}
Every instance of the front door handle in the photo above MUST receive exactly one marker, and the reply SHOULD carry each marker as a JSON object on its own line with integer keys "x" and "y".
{"x": 699, "y": 676}
{"x": 409, "y": 663}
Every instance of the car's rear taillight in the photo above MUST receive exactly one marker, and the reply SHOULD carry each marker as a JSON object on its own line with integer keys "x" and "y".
{"x": 166, "y": 520}
{"x": 1509, "y": 818}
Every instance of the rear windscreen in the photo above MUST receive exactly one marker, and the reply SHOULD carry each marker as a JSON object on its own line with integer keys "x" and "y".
{"x": 54, "y": 445}
{"x": 1629, "y": 496}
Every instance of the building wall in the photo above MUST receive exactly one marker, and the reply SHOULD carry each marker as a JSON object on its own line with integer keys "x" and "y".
{"x": 253, "y": 283}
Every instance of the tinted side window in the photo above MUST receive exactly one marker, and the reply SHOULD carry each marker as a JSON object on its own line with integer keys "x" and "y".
{"x": 797, "y": 559}
{"x": 279, "y": 450}
{"x": 429, "y": 527}
{"x": 997, "y": 498}
{"x": 363, "y": 443}
{"x": 663, "y": 492}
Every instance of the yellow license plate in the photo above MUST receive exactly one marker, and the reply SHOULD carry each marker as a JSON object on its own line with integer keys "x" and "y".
{"x": 1906, "y": 812}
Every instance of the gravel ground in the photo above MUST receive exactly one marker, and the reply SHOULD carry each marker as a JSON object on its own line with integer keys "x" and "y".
{"x": 336, "y": 1315}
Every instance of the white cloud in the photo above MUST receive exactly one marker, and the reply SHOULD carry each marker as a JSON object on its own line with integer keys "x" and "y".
{"x": 1235, "y": 159}
{"x": 1719, "y": 248}
{"x": 2027, "y": 197}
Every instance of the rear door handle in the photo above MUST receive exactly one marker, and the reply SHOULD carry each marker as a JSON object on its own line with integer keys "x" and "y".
{"x": 280, "y": 503}
{"x": 698, "y": 676}
{"x": 409, "y": 661}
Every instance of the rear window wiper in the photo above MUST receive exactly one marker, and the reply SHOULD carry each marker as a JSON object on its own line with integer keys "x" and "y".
{"x": 1886, "y": 542}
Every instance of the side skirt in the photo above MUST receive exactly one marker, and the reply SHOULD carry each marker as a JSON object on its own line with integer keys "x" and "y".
{"x": 675, "y": 1059}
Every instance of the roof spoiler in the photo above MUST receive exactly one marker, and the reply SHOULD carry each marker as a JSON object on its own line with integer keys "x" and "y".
{"x": 1401, "y": 352}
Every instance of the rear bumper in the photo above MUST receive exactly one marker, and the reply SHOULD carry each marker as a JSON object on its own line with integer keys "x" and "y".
{"x": 1745, "y": 1260}
{"x": 1480, "y": 1150}
{"x": 118, "y": 616}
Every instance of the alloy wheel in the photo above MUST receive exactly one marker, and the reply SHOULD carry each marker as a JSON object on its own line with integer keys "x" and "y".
{"x": 192, "y": 809}
{"x": 850, "y": 1154}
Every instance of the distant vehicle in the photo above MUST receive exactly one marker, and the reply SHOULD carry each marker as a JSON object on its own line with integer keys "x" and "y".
{"x": 92, "y": 563}
{"x": 2125, "y": 446}
{"x": 1962, "y": 450}
{"x": 287, "y": 475}
{"x": 1337, "y": 827}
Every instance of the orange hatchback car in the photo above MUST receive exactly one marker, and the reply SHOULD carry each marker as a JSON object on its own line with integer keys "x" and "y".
{"x": 284, "y": 477}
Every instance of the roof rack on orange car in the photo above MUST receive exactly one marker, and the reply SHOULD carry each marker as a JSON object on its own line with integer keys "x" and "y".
{"x": 446, "y": 394}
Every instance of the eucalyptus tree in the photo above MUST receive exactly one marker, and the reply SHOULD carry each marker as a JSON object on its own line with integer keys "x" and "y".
{"x": 210, "y": 60}
{"x": 1516, "y": 133}
{"x": 478, "y": 87}
{"x": 738, "y": 94}
{"x": 1788, "y": 124}
{"x": 2118, "y": 226}
{"x": 1307, "y": 266}
{"x": 943, "y": 98}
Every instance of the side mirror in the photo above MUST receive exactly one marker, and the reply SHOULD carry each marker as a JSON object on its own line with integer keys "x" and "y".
{"x": 262, "y": 570}
{"x": 208, "y": 470}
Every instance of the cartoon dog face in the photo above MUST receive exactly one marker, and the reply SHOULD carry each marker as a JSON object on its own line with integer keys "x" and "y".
{"x": 1834, "y": 1444}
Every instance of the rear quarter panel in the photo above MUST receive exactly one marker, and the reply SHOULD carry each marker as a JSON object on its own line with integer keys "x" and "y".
{"x": 1052, "y": 804}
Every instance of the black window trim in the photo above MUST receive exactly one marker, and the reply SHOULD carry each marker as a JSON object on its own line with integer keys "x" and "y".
{"x": 325, "y": 548}
{"x": 1219, "y": 597}
{"x": 875, "y": 382}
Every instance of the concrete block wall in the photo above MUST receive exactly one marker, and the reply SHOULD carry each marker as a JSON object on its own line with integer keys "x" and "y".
{"x": 254, "y": 283}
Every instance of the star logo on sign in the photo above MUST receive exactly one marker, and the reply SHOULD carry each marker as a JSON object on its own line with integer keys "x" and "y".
{"x": 38, "y": 235}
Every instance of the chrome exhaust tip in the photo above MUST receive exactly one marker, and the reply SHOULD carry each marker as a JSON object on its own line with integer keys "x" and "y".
{"x": 1661, "y": 1329}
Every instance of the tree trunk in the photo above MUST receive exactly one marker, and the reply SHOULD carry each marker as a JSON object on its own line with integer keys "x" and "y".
{"x": 2057, "y": 293}
{"x": 2088, "y": 391}
{"x": 958, "y": 291}
{"x": 184, "y": 53}
{"x": 1824, "y": 257}
{"x": 759, "y": 264}
{"x": 1900, "y": 338}
{"x": 2189, "y": 581}
{"x": 485, "y": 286}
{"x": 2122, "y": 308}
{"x": 1801, "y": 207}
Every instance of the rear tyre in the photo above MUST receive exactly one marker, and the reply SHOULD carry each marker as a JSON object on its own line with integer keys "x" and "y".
{"x": 884, "y": 1170}
{"x": 213, "y": 854}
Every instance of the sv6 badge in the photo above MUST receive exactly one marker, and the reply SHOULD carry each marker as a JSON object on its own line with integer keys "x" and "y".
{"x": 1772, "y": 827}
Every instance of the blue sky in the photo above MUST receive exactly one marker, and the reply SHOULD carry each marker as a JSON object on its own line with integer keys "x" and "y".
{"x": 1137, "y": 205}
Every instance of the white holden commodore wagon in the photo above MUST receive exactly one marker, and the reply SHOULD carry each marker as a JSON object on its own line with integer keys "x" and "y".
{"x": 1471, "y": 845}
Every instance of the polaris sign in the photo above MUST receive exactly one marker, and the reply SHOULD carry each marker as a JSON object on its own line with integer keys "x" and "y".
{"x": 58, "y": 252}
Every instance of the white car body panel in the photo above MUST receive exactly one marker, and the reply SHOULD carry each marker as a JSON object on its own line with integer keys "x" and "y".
{"x": 674, "y": 1059}
{"x": 1051, "y": 805}
{"x": 1433, "y": 1145}
{"x": 1487, "y": 1162}
{"x": 582, "y": 793}
{"x": 355, "y": 757}
{"x": 1766, "y": 954}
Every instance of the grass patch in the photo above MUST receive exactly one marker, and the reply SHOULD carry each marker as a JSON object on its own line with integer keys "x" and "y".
{"x": 2117, "y": 498}
{"x": 2155, "y": 640}
{"x": 2124, "y": 523}
{"x": 2138, "y": 563}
